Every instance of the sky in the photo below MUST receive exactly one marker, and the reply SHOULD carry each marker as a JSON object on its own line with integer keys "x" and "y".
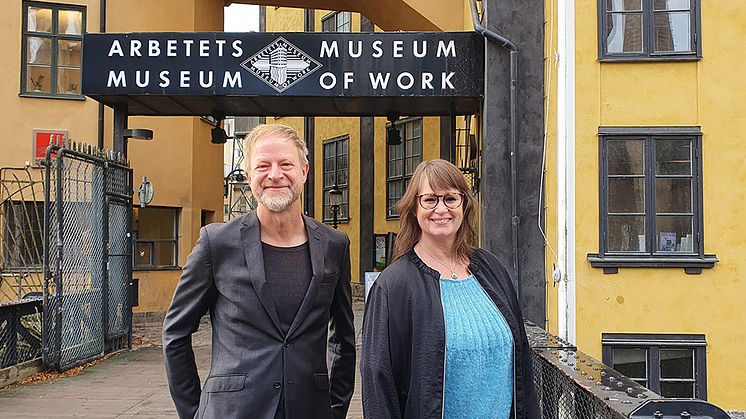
{"x": 241, "y": 18}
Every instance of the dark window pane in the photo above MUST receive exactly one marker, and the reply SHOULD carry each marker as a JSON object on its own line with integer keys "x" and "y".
{"x": 165, "y": 255}
{"x": 672, "y": 32}
{"x": 625, "y": 157}
{"x": 683, "y": 389}
{"x": 671, "y": 5}
{"x": 154, "y": 223}
{"x": 624, "y": 33}
{"x": 143, "y": 253}
{"x": 626, "y": 195}
{"x": 673, "y": 195}
{"x": 677, "y": 363}
{"x": 673, "y": 157}
{"x": 623, "y": 5}
{"x": 626, "y": 233}
{"x": 674, "y": 233}
{"x": 631, "y": 362}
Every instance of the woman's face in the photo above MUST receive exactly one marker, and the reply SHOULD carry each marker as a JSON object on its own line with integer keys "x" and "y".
{"x": 444, "y": 219}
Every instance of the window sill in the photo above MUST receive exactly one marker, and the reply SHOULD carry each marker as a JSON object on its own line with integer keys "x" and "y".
{"x": 649, "y": 58}
{"x": 156, "y": 268}
{"x": 51, "y": 96}
{"x": 692, "y": 265}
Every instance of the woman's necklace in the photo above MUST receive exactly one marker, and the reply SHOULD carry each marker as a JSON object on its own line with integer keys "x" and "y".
{"x": 453, "y": 272}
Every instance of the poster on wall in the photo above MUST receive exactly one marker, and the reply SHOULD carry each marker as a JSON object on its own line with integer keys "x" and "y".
{"x": 42, "y": 138}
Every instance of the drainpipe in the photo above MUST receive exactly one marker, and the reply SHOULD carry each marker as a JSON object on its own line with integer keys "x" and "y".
{"x": 513, "y": 49}
{"x": 102, "y": 29}
{"x": 565, "y": 272}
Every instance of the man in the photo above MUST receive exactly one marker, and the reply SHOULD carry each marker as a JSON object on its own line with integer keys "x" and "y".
{"x": 277, "y": 285}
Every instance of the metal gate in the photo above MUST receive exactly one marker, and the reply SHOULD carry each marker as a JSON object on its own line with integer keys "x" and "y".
{"x": 87, "y": 255}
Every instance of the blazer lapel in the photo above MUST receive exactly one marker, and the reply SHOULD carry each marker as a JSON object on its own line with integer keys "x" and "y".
{"x": 252, "y": 248}
{"x": 317, "y": 248}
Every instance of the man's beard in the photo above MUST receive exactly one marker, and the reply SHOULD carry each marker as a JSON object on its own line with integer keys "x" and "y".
{"x": 278, "y": 201}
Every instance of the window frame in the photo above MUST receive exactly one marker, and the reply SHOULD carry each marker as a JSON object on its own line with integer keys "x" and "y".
{"x": 692, "y": 262}
{"x": 153, "y": 243}
{"x": 343, "y": 187}
{"x": 55, "y": 37}
{"x": 653, "y": 343}
{"x": 647, "y": 54}
{"x": 336, "y": 15}
{"x": 391, "y": 213}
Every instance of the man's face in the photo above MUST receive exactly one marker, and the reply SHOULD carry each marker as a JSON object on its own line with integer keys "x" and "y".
{"x": 276, "y": 173}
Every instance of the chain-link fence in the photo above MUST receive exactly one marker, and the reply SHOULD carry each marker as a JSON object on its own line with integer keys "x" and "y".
{"x": 86, "y": 305}
{"x": 571, "y": 384}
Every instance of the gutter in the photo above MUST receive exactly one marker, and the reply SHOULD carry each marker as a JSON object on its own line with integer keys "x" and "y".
{"x": 513, "y": 49}
{"x": 102, "y": 29}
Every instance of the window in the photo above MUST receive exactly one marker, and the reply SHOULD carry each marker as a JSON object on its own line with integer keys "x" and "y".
{"x": 670, "y": 365}
{"x": 401, "y": 161}
{"x": 335, "y": 175}
{"x": 651, "y": 198}
{"x": 155, "y": 241}
{"x": 337, "y": 22}
{"x": 648, "y": 29}
{"x": 52, "y": 46}
{"x": 22, "y": 241}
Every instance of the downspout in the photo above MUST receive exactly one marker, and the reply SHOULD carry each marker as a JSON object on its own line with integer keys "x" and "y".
{"x": 566, "y": 170}
{"x": 513, "y": 49}
{"x": 102, "y": 29}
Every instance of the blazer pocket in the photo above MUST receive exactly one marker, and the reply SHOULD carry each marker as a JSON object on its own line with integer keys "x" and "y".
{"x": 321, "y": 381}
{"x": 221, "y": 383}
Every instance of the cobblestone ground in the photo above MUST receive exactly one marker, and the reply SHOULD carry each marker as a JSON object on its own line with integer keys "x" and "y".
{"x": 131, "y": 384}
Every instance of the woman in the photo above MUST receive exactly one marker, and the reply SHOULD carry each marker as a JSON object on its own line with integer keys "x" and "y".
{"x": 443, "y": 334}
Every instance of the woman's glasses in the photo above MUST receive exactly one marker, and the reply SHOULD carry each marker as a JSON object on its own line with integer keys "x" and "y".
{"x": 430, "y": 201}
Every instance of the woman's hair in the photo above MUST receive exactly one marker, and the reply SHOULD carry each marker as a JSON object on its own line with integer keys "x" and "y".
{"x": 443, "y": 175}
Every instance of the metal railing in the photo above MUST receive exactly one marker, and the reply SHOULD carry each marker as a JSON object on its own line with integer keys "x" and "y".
{"x": 571, "y": 384}
{"x": 20, "y": 331}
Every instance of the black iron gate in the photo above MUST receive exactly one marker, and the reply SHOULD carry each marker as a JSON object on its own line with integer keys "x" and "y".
{"x": 87, "y": 255}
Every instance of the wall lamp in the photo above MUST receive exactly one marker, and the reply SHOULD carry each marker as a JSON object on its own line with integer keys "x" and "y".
{"x": 218, "y": 134}
{"x": 138, "y": 134}
{"x": 393, "y": 135}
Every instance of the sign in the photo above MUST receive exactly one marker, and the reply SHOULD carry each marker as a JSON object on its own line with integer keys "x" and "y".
{"x": 343, "y": 66}
{"x": 42, "y": 139}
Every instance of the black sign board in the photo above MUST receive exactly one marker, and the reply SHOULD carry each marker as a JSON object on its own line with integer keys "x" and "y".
{"x": 286, "y": 73}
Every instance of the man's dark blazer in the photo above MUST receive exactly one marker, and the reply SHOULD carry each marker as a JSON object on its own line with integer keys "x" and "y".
{"x": 252, "y": 361}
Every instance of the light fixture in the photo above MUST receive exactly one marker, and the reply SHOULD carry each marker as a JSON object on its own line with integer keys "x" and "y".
{"x": 138, "y": 134}
{"x": 218, "y": 134}
{"x": 393, "y": 135}
{"x": 335, "y": 201}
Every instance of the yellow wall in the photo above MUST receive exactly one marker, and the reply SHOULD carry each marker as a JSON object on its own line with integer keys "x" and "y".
{"x": 709, "y": 93}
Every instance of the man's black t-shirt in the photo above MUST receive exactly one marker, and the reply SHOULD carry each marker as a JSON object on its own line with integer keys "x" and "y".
{"x": 288, "y": 272}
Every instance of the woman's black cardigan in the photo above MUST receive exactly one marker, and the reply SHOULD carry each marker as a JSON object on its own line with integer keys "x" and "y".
{"x": 403, "y": 350}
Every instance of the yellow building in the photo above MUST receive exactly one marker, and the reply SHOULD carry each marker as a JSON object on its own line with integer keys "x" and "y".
{"x": 644, "y": 105}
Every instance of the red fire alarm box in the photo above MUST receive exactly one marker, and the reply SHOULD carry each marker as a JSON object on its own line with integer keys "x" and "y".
{"x": 42, "y": 139}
